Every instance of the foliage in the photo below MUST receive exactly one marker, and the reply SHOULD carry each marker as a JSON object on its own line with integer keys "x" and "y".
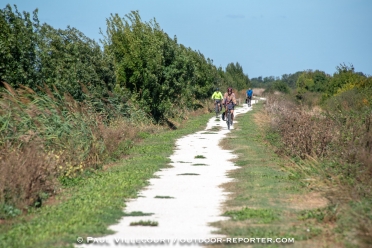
{"x": 291, "y": 79}
{"x": 18, "y": 45}
{"x": 312, "y": 81}
{"x": 35, "y": 55}
{"x": 68, "y": 59}
{"x": 161, "y": 75}
{"x": 345, "y": 77}
{"x": 236, "y": 78}
{"x": 283, "y": 84}
{"x": 279, "y": 86}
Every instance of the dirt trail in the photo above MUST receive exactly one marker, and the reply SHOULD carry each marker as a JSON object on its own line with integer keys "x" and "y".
{"x": 183, "y": 199}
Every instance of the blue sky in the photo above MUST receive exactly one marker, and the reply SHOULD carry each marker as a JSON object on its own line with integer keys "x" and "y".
{"x": 267, "y": 37}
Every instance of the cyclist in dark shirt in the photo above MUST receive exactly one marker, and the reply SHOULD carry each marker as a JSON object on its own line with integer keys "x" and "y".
{"x": 229, "y": 101}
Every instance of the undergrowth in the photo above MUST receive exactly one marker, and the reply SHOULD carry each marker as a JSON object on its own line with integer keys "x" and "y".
{"x": 330, "y": 150}
{"x": 48, "y": 141}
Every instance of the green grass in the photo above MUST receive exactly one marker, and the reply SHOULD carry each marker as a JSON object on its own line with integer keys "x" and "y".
{"x": 90, "y": 206}
{"x": 188, "y": 174}
{"x": 199, "y": 156}
{"x": 263, "y": 215}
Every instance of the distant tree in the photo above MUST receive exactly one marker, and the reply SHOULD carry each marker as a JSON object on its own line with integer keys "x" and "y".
{"x": 291, "y": 79}
{"x": 236, "y": 76}
{"x": 312, "y": 81}
{"x": 345, "y": 75}
{"x": 281, "y": 86}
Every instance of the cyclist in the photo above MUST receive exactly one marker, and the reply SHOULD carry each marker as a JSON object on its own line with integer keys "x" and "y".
{"x": 217, "y": 97}
{"x": 229, "y": 101}
{"x": 249, "y": 95}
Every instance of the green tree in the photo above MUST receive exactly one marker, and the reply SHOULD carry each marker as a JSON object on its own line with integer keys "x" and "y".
{"x": 344, "y": 77}
{"x": 312, "y": 81}
{"x": 291, "y": 79}
{"x": 236, "y": 77}
{"x": 69, "y": 59}
{"x": 160, "y": 74}
{"x": 18, "y": 44}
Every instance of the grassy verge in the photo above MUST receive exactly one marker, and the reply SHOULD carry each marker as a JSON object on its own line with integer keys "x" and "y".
{"x": 93, "y": 203}
{"x": 268, "y": 201}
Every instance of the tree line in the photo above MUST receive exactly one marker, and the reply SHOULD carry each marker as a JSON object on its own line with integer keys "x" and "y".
{"x": 139, "y": 62}
{"x": 301, "y": 83}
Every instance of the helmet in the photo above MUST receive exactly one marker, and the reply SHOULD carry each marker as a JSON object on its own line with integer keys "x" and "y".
{"x": 217, "y": 89}
{"x": 229, "y": 89}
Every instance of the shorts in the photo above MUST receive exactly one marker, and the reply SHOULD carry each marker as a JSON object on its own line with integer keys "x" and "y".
{"x": 230, "y": 106}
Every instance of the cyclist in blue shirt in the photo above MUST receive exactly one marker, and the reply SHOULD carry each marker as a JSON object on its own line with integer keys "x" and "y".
{"x": 249, "y": 95}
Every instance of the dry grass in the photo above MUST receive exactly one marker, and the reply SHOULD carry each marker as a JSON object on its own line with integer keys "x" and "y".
{"x": 45, "y": 141}
{"x": 312, "y": 200}
{"x": 258, "y": 91}
{"x": 302, "y": 133}
{"x": 335, "y": 147}
{"x": 25, "y": 173}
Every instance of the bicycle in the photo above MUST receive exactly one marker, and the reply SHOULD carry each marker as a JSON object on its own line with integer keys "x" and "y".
{"x": 217, "y": 109}
{"x": 249, "y": 102}
{"x": 228, "y": 118}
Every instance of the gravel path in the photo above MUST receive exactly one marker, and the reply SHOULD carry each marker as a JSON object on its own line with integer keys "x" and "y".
{"x": 185, "y": 198}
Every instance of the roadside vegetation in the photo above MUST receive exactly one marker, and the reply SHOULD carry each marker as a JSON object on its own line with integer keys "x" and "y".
{"x": 320, "y": 131}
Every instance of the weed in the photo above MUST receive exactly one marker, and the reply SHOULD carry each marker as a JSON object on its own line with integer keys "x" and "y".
{"x": 199, "y": 156}
{"x": 164, "y": 197}
{"x": 8, "y": 211}
{"x": 188, "y": 174}
{"x": 137, "y": 213}
{"x": 144, "y": 223}
{"x": 262, "y": 215}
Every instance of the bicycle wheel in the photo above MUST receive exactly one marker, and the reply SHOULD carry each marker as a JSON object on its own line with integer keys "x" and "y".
{"x": 217, "y": 109}
{"x": 228, "y": 119}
